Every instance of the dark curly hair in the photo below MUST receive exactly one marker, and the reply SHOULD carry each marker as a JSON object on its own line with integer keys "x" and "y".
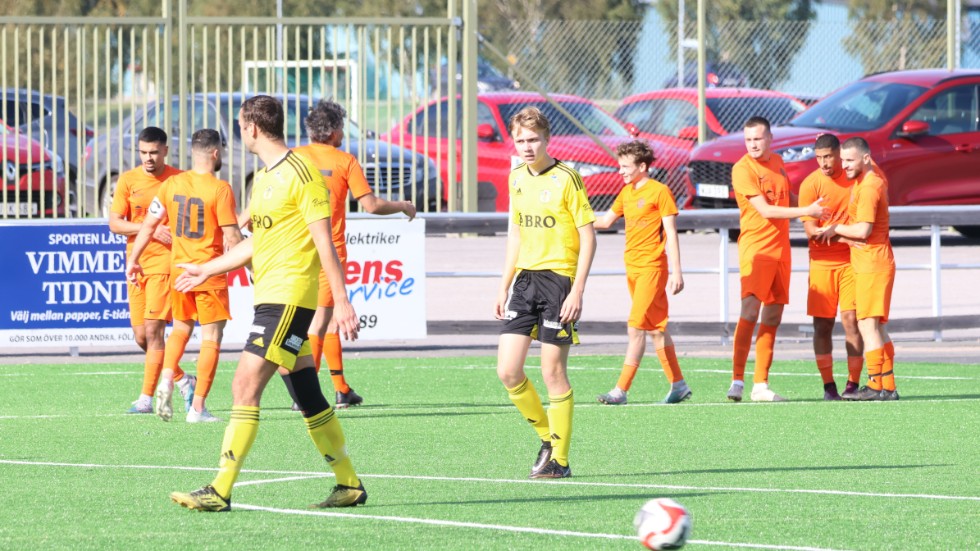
{"x": 638, "y": 149}
{"x": 325, "y": 118}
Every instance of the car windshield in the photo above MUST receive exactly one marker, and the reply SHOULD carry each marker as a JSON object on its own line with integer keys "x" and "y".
{"x": 733, "y": 112}
{"x": 864, "y": 105}
{"x": 591, "y": 117}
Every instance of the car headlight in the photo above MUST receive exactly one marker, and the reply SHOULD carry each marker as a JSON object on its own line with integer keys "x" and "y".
{"x": 588, "y": 169}
{"x": 796, "y": 154}
{"x": 58, "y": 164}
{"x": 10, "y": 172}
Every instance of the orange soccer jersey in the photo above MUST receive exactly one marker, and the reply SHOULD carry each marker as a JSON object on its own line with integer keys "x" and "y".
{"x": 644, "y": 209}
{"x": 836, "y": 195}
{"x": 341, "y": 172}
{"x": 869, "y": 203}
{"x": 761, "y": 239}
{"x": 134, "y": 193}
{"x": 198, "y": 205}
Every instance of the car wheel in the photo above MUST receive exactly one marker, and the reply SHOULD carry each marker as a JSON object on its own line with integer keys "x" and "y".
{"x": 108, "y": 191}
{"x": 970, "y": 232}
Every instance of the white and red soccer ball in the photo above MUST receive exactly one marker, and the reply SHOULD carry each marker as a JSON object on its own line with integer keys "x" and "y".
{"x": 662, "y": 524}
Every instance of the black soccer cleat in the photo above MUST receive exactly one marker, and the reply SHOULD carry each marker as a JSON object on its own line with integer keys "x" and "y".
{"x": 344, "y": 496}
{"x": 830, "y": 392}
{"x": 867, "y": 394}
{"x": 346, "y": 399}
{"x": 553, "y": 470}
{"x": 544, "y": 456}
{"x": 850, "y": 391}
{"x": 888, "y": 395}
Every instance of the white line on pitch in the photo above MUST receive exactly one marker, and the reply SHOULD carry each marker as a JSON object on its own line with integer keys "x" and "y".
{"x": 514, "y": 481}
{"x": 80, "y": 374}
{"x": 505, "y": 528}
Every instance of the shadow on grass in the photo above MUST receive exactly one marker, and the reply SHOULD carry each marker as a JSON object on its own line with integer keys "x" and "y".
{"x": 776, "y": 469}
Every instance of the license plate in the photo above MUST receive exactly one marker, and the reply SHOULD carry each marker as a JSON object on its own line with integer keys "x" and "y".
{"x": 715, "y": 191}
{"x": 20, "y": 209}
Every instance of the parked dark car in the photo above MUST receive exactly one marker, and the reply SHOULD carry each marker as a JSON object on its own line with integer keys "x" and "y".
{"x": 391, "y": 171}
{"x": 47, "y": 119}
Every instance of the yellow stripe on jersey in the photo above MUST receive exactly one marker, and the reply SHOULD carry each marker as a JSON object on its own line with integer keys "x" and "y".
{"x": 549, "y": 208}
{"x": 286, "y": 198}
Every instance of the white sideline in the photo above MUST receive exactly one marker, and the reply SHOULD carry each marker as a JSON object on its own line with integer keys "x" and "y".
{"x": 302, "y": 474}
{"x": 506, "y": 528}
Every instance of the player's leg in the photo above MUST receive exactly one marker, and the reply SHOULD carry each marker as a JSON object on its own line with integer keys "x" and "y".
{"x": 855, "y": 352}
{"x": 664, "y": 344}
{"x": 742, "y": 342}
{"x": 821, "y": 305}
{"x": 179, "y": 335}
{"x": 561, "y": 398}
{"x": 869, "y": 290}
{"x": 137, "y": 311}
{"x": 635, "y": 346}
{"x": 886, "y": 281}
{"x": 770, "y": 318}
{"x": 823, "y": 349}
{"x": 345, "y": 396}
{"x": 213, "y": 309}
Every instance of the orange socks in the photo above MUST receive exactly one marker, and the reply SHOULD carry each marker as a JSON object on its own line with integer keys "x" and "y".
{"x": 825, "y": 364}
{"x": 764, "y": 343}
{"x": 743, "y": 344}
{"x": 668, "y": 360}
{"x": 888, "y": 366}
{"x": 875, "y": 359}
{"x": 317, "y": 346}
{"x": 335, "y": 361}
{"x": 626, "y": 376}
{"x": 176, "y": 344}
{"x": 855, "y": 365}
{"x": 151, "y": 370}
{"x": 207, "y": 366}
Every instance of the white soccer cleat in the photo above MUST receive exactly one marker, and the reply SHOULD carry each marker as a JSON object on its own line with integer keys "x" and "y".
{"x": 735, "y": 391}
{"x": 164, "y": 407}
{"x": 203, "y": 416}
{"x": 762, "y": 393}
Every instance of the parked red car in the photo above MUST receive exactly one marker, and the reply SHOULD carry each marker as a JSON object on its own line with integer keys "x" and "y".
{"x": 426, "y": 131}
{"x": 922, "y": 127}
{"x": 33, "y": 178}
{"x": 671, "y": 116}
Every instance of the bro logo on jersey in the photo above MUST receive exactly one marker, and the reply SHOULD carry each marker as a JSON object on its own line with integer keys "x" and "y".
{"x": 156, "y": 208}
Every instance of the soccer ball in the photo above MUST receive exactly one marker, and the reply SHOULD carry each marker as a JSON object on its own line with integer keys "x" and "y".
{"x": 663, "y": 524}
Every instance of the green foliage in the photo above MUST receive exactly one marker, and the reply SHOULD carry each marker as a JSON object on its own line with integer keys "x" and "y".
{"x": 751, "y": 34}
{"x": 897, "y": 34}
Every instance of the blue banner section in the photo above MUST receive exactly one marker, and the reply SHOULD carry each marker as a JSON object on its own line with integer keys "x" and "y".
{"x": 63, "y": 274}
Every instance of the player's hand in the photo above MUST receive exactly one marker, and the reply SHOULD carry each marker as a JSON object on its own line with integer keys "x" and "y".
{"x": 500, "y": 306}
{"x": 825, "y": 234}
{"x": 571, "y": 309}
{"x": 133, "y": 272}
{"x": 162, "y": 234}
{"x": 192, "y": 277}
{"x": 675, "y": 283}
{"x": 816, "y": 210}
{"x": 346, "y": 320}
{"x": 409, "y": 209}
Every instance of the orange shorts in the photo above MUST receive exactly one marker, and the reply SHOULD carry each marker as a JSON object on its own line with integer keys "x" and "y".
{"x": 204, "y": 306}
{"x": 149, "y": 298}
{"x": 649, "y": 293}
{"x": 828, "y": 288}
{"x": 767, "y": 280}
{"x": 874, "y": 294}
{"x": 324, "y": 296}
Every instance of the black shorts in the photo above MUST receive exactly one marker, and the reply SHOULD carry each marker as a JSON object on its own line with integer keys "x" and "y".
{"x": 534, "y": 309}
{"x": 280, "y": 333}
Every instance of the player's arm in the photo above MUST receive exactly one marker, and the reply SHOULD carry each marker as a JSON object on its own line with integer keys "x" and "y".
{"x": 233, "y": 236}
{"x": 245, "y": 219}
{"x": 775, "y": 212}
{"x": 119, "y": 225}
{"x": 571, "y": 309}
{"x": 675, "y": 283}
{"x": 606, "y": 221}
{"x": 376, "y": 205}
{"x": 513, "y": 250}
{"x": 156, "y": 216}
{"x": 858, "y": 231}
{"x": 196, "y": 274}
{"x": 343, "y": 312}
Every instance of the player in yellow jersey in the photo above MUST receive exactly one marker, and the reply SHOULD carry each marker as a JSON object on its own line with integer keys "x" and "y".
{"x": 651, "y": 243}
{"x": 550, "y": 246}
{"x": 290, "y": 243}
{"x": 149, "y": 296}
{"x": 831, "y": 282}
{"x": 202, "y": 209}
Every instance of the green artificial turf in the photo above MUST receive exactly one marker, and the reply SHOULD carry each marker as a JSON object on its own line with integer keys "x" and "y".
{"x": 445, "y": 456}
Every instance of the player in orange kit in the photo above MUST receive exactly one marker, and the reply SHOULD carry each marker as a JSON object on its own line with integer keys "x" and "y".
{"x": 831, "y": 277}
{"x": 149, "y": 295}
{"x": 202, "y": 209}
{"x": 874, "y": 266}
{"x": 765, "y": 208}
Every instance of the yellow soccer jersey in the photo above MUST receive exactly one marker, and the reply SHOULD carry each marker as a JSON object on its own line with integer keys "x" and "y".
{"x": 286, "y": 197}
{"x": 549, "y": 208}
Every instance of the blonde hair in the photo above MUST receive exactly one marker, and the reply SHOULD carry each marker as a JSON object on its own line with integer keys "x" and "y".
{"x": 531, "y": 118}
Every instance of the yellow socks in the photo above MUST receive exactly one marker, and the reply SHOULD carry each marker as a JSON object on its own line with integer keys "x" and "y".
{"x": 560, "y": 417}
{"x": 328, "y": 436}
{"x": 526, "y": 398}
{"x": 239, "y": 435}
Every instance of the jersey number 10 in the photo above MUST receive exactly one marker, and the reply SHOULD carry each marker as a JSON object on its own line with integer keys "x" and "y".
{"x": 190, "y": 215}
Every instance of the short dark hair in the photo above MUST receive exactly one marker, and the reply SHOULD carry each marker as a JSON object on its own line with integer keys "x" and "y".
{"x": 152, "y": 134}
{"x": 857, "y": 143}
{"x": 639, "y": 150}
{"x": 205, "y": 139}
{"x": 325, "y": 118}
{"x": 827, "y": 141}
{"x": 531, "y": 118}
{"x": 265, "y": 112}
{"x": 758, "y": 121}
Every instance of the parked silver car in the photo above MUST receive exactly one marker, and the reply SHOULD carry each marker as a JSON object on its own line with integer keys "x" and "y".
{"x": 391, "y": 171}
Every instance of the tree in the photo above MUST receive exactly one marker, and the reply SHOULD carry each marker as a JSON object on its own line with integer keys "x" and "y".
{"x": 897, "y": 34}
{"x": 760, "y": 37}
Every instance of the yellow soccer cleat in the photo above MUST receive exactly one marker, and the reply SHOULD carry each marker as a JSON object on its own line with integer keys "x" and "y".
{"x": 205, "y": 499}
{"x": 344, "y": 496}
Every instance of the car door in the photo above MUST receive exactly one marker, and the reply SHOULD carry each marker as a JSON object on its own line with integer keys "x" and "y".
{"x": 939, "y": 167}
